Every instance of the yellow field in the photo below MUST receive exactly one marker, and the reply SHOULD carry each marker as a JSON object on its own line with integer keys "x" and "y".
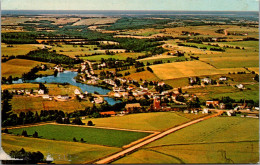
{"x": 62, "y": 152}
{"x": 145, "y": 75}
{"x": 188, "y": 69}
{"x": 16, "y": 67}
{"x": 157, "y": 57}
{"x": 19, "y": 86}
{"x": 94, "y": 21}
{"x": 19, "y": 49}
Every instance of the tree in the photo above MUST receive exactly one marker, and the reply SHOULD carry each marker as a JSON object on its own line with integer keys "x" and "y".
{"x": 82, "y": 140}
{"x": 66, "y": 120}
{"x": 59, "y": 120}
{"x": 35, "y": 135}
{"x": 90, "y": 123}
{"x": 77, "y": 121}
{"x": 24, "y": 133}
{"x": 74, "y": 139}
{"x": 55, "y": 73}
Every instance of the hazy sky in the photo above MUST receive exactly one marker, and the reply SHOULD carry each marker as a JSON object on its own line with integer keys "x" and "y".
{"x": 208, "y": 5}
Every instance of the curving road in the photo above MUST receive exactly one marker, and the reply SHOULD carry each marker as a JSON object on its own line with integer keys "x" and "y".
{"x": 115, "y": 156}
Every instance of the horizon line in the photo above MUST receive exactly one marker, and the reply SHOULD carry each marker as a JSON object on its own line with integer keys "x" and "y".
{"x": 132, "y": 10}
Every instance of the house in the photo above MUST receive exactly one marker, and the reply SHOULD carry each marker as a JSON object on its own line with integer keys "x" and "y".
{"x": 205, "y": 111}
{"x": 77, "y": 92}
{"x": 222, "y": 106}
{"x": 223, "y": 78}
{"x": 27, "y": 92}
{"x": 63, "y": 97}
{"x": 117, "y": 95}
{"x": 110, "y": 113}
{"x": 46, "y": 97}
{"x": 118, "y": 89}
{"x": 132, "y": 107}
{"x": 156, "y": 104}
{"x": 213, "y": 103}
{"x": 161, "y": 83}
{"x": 86, "y": 92}
{"x": 240, "y": 86}
{"x": 41, "y": 92}
{"x": 206, "y": 80}
{"x": 98, "y": 100}
{"x": 81, "y": 96}
{"x": 130, "y": 88}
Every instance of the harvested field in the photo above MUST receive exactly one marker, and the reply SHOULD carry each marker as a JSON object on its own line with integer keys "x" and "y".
{"x": 187, "y": 69}
{"x": 62, "y": 152}
{"x": 96, "y": 21}
{"x": 145, "y": 75}
{"x": 153, "y": 121}
{"x": 216, "y": 140}
{"x": 16, "y": 67}
{"x": 157, "y": 57}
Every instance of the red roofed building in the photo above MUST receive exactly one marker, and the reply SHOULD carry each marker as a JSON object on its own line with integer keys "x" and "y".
{"x": 156, "y": 104}
{"x": 111, "y": 113}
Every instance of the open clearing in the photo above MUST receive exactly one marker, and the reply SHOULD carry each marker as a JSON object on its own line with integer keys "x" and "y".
{"x": 16, "y": 67}
{"x": 217, "y": 140}
{"x": 61, "y": 151}
{"x": 155, "y": 121}
{"x": 38, "y": 103}
{"x": 187, "y": 69}
{"x": 107, "y": 137}
{"x": 19, "y": 49}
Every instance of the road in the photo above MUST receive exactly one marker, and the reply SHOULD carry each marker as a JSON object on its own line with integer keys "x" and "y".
{"x": 115, "y": 156}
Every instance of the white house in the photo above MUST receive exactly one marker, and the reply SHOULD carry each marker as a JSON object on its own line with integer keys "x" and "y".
{"x": 206, "y": 80}
{"x": 41, "y": 92}
{"x": 240, "y": 86}
{"x": 223, "y": 78}
{"x": 205, "y": 111}
{"x": 117, "y": 95}
{"x": 77, "y": 92}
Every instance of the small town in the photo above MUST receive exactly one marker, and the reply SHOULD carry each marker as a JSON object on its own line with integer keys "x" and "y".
{"x": 84, "y": 84}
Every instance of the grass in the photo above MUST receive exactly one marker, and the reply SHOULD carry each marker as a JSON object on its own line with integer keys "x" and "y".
{"x": 210, "y": 92}
{"x": 216, "y": 140}
{"x": 145, "y": 75}
{"x": 19, "y": 49}
{"x": 179, "y": 82}
{"x": 61, "y": 151}
{"x": 186, "y": 69}
{"x": 154, "y": 121}
{"x": 16, "y": 67}
{"x": 119, "y": 56}
{"x": 38, "y": 103}
{"x": 107, "y": 137}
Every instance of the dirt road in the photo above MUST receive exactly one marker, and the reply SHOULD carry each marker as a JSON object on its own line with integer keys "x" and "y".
{"x": 133, "y": 148}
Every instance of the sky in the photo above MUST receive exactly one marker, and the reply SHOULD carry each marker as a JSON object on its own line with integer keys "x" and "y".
{"x": 192, "y": 5}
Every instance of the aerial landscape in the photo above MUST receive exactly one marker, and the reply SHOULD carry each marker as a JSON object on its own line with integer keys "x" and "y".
{"x": 129, "y": 86}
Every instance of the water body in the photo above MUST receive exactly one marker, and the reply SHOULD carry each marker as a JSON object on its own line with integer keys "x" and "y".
{"x": 68, "y": 77}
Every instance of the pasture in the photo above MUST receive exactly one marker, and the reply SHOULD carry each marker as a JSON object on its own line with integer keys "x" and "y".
{"x": 63, "y": 152}
{"x": 16, "y": 67}
{"x": 187, "y": 69}
{"x": 216, "y": 140}
{"x": 19, "y": 49}
{"x": 38, "y": 103}
{"x": 107, "y": 137}
{"x": 153, "y": 121}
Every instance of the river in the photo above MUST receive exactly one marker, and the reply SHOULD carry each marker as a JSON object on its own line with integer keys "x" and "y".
{"x": 68, "y": 77}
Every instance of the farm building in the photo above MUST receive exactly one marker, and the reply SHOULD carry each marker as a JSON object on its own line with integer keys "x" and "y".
{"x": 111, "y": 113}
{"x": 132, "y": 107}
{"x": 77, "y": 92}
{"x": 240, "y": 86}
{"x": 223, "y": 78}
{"x": 214, "y": 103}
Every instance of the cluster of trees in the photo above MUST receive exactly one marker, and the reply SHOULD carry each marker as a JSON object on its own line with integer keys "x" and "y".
{"x": 28, "y": 157}
{"x": 162, "y": 88}
{"x": 140, "y": 69}
{"x": 44, "y": 55}
{"x": 19, "y": 38}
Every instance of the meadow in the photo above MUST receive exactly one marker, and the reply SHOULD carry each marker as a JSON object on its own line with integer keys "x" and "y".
{"x": 16, "y": 67}
{"x": 153, "y": 121}
{"x": 107, "y": 137}
{"x": 216, "y": 140}
{"x": 62, "y": 152}
{"x": 187, "y": 69}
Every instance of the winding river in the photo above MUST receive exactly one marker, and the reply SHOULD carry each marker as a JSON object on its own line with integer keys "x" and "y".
{"x": 68, "y": 77}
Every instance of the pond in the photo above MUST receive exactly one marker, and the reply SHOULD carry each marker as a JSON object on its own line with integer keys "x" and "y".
{"x": 68, "y": 77}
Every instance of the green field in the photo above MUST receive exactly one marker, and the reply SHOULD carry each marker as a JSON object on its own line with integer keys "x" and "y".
{"x": 107, "y": 137}
{"x": 153, "y": 121}
{"x": 210, "y": 92}
{"x": 62, "y": 152}
{"x": 119, "y": 56}
{"x": 216, "y": 140}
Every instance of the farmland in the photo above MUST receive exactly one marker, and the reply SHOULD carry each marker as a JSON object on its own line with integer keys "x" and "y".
{"x": 155, "y": 121}
{"x": 16, "y": 67}
{"x": 213, "y": 141}
{"x": 115, "y": 138}
{"x": 63, "y": 152}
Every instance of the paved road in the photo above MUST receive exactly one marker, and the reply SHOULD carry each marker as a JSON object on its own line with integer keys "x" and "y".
{"x": 133, "y": 148}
